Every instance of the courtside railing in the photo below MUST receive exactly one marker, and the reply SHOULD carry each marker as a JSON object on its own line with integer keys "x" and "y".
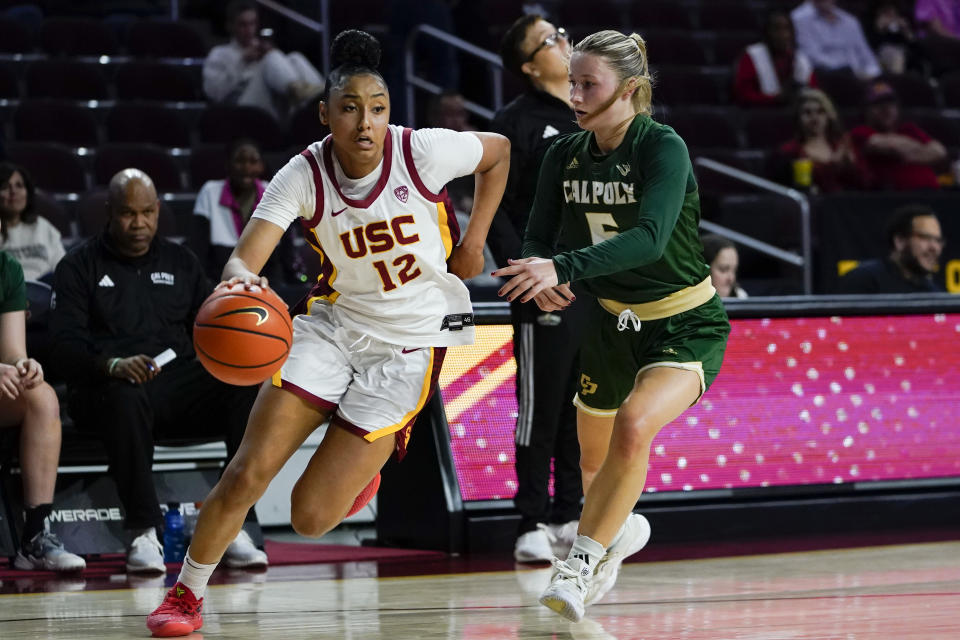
{"x": 804, "y": 261}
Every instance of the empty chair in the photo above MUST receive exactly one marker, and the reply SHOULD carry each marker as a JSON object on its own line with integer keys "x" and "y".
{"x": 207, "y": 162}
{"x": 78, "y": 37}
{"x": 842, "y": 85}
{"x": 768, "y": 128}
{"x": 92, "y": 215}
{"x": 753, "y": 161}
{"x": 676, "y": 47}
{"x": 937, "y": 124}
{"x": 9, "y": 84}
{"x": 45, "y": 205}
{"x": 157, "y": 163}
{"x": 156, "y": 81}
{"x": 682, "y": 86}
{"x": 729, "y": 16}
{"x": 728, "y": 46}
{"x": 14, "y": 37}
{"x": 224, "y": 123}
{"x": 950, "y": 88}
{"x": 305, "y": 126}
{"x": 579, "y": 16}
{"x": 661, "y": 14}
{"x": 151, "y": 123}
{"x": 53, "y": 167}
{"x": 712, "y": 128}
{"x": 165, "y": 39}
{"x": 66, "y": 79}
{"x": 55, "y": 121}
{"x": 913, "y": 90}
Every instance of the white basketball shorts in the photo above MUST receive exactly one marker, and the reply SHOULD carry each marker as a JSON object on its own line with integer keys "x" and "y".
{"x": 376, "y": 389}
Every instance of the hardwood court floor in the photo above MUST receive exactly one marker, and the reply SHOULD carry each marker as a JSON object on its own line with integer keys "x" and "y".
{"x": 902, "y": 592}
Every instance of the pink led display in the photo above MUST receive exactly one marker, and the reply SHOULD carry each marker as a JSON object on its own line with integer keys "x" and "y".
{"x": 799, "y": 401}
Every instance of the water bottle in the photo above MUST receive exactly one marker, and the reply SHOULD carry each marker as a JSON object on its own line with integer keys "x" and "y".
{"x": 173, "y": 535}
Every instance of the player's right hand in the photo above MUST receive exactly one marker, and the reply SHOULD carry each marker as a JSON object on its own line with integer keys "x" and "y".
{"x": 10, "y": 385}
{"x": 136, "y": 369}
{"x": 250, "y": 282}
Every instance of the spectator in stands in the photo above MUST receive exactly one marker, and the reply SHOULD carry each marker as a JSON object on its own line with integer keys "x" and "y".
{"x": 448, "y": 111}
{"x": 31, "y": 239}
{"x": 30, "y": 403}
{"x": 897, "y": 155}
{"x": 770, "y": 71}
{"x": 546, "y": 344}
{"x": 939, "y": 18}
{"x": 916, "y": 242}
{"x": 833, "y": 38}
{"x": 723, "y": 259}
{"x": 891, "y": 36}
{"x": 222, "y": 210}
{"x": 122, "y": 298}
{"x": 819, "y": 137}
{"x": 250, "y": 70}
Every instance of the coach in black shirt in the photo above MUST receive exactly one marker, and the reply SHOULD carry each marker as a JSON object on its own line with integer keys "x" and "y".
{"x": 916, "y": 242}
{"x": 545, "y": 344}
{"x": 120, "y": 299}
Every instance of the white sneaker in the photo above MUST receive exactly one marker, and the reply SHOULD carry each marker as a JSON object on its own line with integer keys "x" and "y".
{"x": 635, "y": 536}
{"x": 534, "y": 546}
{"x": 145, "y": 554}
{"x": 45, "y": 552}
{"x": 243, "y": 554}
{"x": 568, "y": 588}
{"x": 562, "y": 537}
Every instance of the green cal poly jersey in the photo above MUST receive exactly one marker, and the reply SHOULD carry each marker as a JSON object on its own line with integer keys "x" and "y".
{"x": 625, "y": 223}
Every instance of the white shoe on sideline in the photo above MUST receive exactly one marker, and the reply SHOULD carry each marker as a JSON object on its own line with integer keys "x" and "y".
{"x": 243, "y": 554}
{"x": 45, "y": 552}
{"x": 145, "y": 554}
{"x": 534, "y": 546}
{"x": 568, "y": 588}
{"x": 562, "y": 537}
{"x": 635, "y": 536}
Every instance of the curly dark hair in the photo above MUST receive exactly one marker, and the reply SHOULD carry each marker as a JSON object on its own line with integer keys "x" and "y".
{"x": 353, "y": 52}
{"x": 29, "y": 214}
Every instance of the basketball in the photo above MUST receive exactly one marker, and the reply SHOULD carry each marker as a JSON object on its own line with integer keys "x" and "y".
{"x": 242, "y": 337}
{"x": 365, "y": 496}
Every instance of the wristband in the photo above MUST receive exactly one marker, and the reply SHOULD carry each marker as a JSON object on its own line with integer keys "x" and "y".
{"x": 113, "y": 365}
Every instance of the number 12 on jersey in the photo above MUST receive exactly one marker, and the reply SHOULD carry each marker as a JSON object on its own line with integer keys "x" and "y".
{"x": 406, "y": 271}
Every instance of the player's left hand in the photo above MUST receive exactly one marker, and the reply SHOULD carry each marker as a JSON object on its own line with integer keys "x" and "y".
{"x": 556, "y": 298}
{"x": 530, "y": 277}
{"x": 465, "y": 262}
{"x": 31, "y": 373}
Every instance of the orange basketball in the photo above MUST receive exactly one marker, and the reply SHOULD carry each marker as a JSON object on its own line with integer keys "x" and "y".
{"x": 365, "y": 496}
{"x": 242, "y": 337}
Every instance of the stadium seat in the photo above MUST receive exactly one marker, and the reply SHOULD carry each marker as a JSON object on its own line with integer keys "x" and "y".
{"x": 583, "y": 18}
{"x": 46, "y": 206}
{"x": 843, "y": 87}
{"x": 66, "y": 80}
{"x": 92, "y": 215}
{"x": 753, "y": 161}
{"x": 54, "y": 167}
{"x": 223, "y": 124}
{"x": 55, "y": 121}
{"x": 914, "y": 90}
{"x": 305, "y": 126}
{"x": 676, "y": 47}
{"x": 14, "y": 37}
{"x": 938, "y": 124}
{"x": 730, "y": 16}
{"x": 685, "y": 86}
{"x": 165, "y": 39}
{"x": 78, "y": 37}
{"x": 156, "y": 81}
{"x": 156, "y": 162}
{"x": 729, "y": 46}
{"x": 768, "y": 128}
{"x": 701, "y": 127}
{"x": 151, "y": 123}
{"x": 207, "y": 162}
{"x": 661, "y": 14}
{"x": 9, "y": 83}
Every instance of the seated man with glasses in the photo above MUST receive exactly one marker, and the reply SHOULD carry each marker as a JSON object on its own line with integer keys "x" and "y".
{"x": 916, "y": 242}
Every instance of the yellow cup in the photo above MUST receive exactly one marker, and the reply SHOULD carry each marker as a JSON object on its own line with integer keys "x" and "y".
{"x": 803, "y": 172}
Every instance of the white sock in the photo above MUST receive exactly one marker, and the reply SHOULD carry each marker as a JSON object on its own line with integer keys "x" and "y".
{"x": 587, "y": 549}
{"x": 619, "y": 535}
{"x": 195, "y": 575}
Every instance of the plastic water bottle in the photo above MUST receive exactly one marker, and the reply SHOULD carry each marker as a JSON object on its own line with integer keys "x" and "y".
{"x": 173, "y": 534}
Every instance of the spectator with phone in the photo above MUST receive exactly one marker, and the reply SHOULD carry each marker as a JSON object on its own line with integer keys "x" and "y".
{"x": 122, "y": 299}
{"x": 250, "y": 70}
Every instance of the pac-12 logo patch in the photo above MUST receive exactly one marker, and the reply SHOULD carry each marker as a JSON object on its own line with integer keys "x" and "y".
{"x": 401, "y": 193}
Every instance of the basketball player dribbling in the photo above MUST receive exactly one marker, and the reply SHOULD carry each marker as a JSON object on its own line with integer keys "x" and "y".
{"x": 367, "y": 353}
{"x": 622, "y": 196}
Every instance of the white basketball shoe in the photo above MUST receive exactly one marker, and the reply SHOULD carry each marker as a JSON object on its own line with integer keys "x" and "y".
{"x": 568, "y": 588}
{"x": 636, "y": 534}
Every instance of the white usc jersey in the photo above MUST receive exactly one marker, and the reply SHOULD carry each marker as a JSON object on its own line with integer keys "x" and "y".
{"x": 384, "y": 251}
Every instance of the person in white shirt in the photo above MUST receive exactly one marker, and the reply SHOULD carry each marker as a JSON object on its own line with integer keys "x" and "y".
{"x": 390, "y": 298}
{"x": 249, "y": 70}
{"x": 31, "y": 239}
{"x": 833, "y": 39}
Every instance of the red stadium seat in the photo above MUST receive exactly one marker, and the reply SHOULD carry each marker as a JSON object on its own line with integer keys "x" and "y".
{"x": 156, "y": 81}
{"x": 686, "y": 86}
{"x": 78, "y": 37}
{"x": 55, "y": 121}
{"x": 661, "y": 14}
{"x": 305, "y": 126}
{"x": 768, "y": 128}
{"x": 207, "y": 162}
{"x": 704, "y": 127}
{"x": 9, "y": 83}
{"x": 46, "y": 206}
{"x": 156, "y": 162}
{"x": 730, "y": 16}
{"x": 151, "y": 123}
{"x": 677, "y": 47}
{"x": 53, "y": 167}
{"x": 165, "y": 39}
{"x": 14, "y": 37}
{"x": 224, "y": 124}
{"x": 66, "y": 79}
{"x": 914, "y": 90}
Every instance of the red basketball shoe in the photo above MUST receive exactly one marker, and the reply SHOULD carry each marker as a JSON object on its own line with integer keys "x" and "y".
{"x": 179, "y": 615}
